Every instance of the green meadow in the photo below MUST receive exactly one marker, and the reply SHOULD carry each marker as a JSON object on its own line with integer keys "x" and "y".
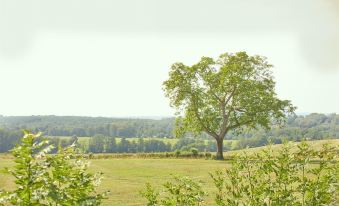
{"x": 125, "y": 178}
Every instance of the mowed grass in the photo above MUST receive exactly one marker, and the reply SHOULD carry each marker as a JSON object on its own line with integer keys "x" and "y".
{"x": 125, "y": 178}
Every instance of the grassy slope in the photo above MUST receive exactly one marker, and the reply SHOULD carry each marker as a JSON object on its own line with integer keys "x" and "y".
{"x": 126, "y": 177}
{"x": 317, "y": 144}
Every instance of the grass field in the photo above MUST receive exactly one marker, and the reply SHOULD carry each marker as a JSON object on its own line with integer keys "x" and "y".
{"x": 126, "y": 177}
{"x": 316, "y": 144}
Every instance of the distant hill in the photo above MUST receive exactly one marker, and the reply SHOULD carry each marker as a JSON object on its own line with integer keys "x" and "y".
{"x": 90, "y": 126}
{"x": 312, "y": 126}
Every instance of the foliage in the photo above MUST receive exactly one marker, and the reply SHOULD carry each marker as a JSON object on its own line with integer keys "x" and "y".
{"x": 218, "y": 96}
{"x": 151, "y": 195}
{"x": 283, "y": 177}
{"x": 256, "y": 141}
{"x": 44, "y": 179}
{"x": 177, "y": 153}
{"x": 159, "y": 155}
{"x": 195, "y": 152}
{"x": 182, "y": 191}
{"x": 8, "y": 139}
{"x": 71, "y": 184}
{"x": 90, "y": 126}
{"x": 31, "y": 172}
{"x": 102, "y": 144}
{"x": 312, "y": 127}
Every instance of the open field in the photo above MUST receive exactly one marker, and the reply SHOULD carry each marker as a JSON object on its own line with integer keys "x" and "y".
{"x": 126, "y": 177}
{"x": 316, "y": 144}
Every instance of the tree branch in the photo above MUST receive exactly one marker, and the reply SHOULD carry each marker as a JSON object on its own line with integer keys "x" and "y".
{"x": 230, "y": 97}
{"x": 224, "y": 128}
{"x": 206, "y": 129}
{"x": 201, "y": 122}
{"x": 238, "y": 124}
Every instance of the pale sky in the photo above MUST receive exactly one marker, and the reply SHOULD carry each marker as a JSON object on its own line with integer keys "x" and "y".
{"x": 109, "y": 58}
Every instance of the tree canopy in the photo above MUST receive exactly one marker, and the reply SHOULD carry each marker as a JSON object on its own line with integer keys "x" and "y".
{"x": 229, "y": 93}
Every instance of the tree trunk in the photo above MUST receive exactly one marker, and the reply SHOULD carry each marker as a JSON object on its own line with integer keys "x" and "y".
{"x": 220, "y": 155}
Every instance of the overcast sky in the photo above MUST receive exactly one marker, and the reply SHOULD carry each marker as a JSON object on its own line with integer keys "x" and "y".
{"x": 109, "y": 58}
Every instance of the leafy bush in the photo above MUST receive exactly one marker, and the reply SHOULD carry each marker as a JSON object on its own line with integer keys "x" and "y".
{"x": 45, "y": 179}
{"x": 208, "y": 155}
{"x": 177, "y": 153}
{"x": 195, "y": 152}
{"x": 151, "y": 195}
{"x": 283, "y": 177}
{"x": 182, "y": 191}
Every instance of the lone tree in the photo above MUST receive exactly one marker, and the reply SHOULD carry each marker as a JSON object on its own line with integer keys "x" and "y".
{"x": 230, "y": 93}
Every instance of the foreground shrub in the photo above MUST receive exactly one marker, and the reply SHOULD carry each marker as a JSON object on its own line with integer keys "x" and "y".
{"x": 44, "y": 179}
{"x": 182, "y": 191}
{"x": 283, "y": 177}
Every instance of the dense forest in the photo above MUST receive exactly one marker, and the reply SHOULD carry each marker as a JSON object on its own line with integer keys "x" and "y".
{"x": 104, "y": 130}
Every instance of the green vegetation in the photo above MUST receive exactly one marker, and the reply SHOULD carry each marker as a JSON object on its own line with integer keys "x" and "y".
{"x": 235, "y": 91}
{"x": 43, "y": 179}
{"x": 90, "y": 126}
{"x": 312, "y": 126}
{"x": 85, "y": 140}
{"x": 296, "y": 128}
{"x": 182, "y": 191}
{"x": 283, "y": 177}
{"x": 316, "y": 144}
{"x": 125, "y": 178}
{"x": 102, "y": 144}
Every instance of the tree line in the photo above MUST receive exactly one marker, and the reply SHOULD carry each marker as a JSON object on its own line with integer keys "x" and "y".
{"x": 312, "y": 126}
{"x": 297, "y": 127}
{"x": 90, "y": 126}
{"x": 105, "y": 144}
